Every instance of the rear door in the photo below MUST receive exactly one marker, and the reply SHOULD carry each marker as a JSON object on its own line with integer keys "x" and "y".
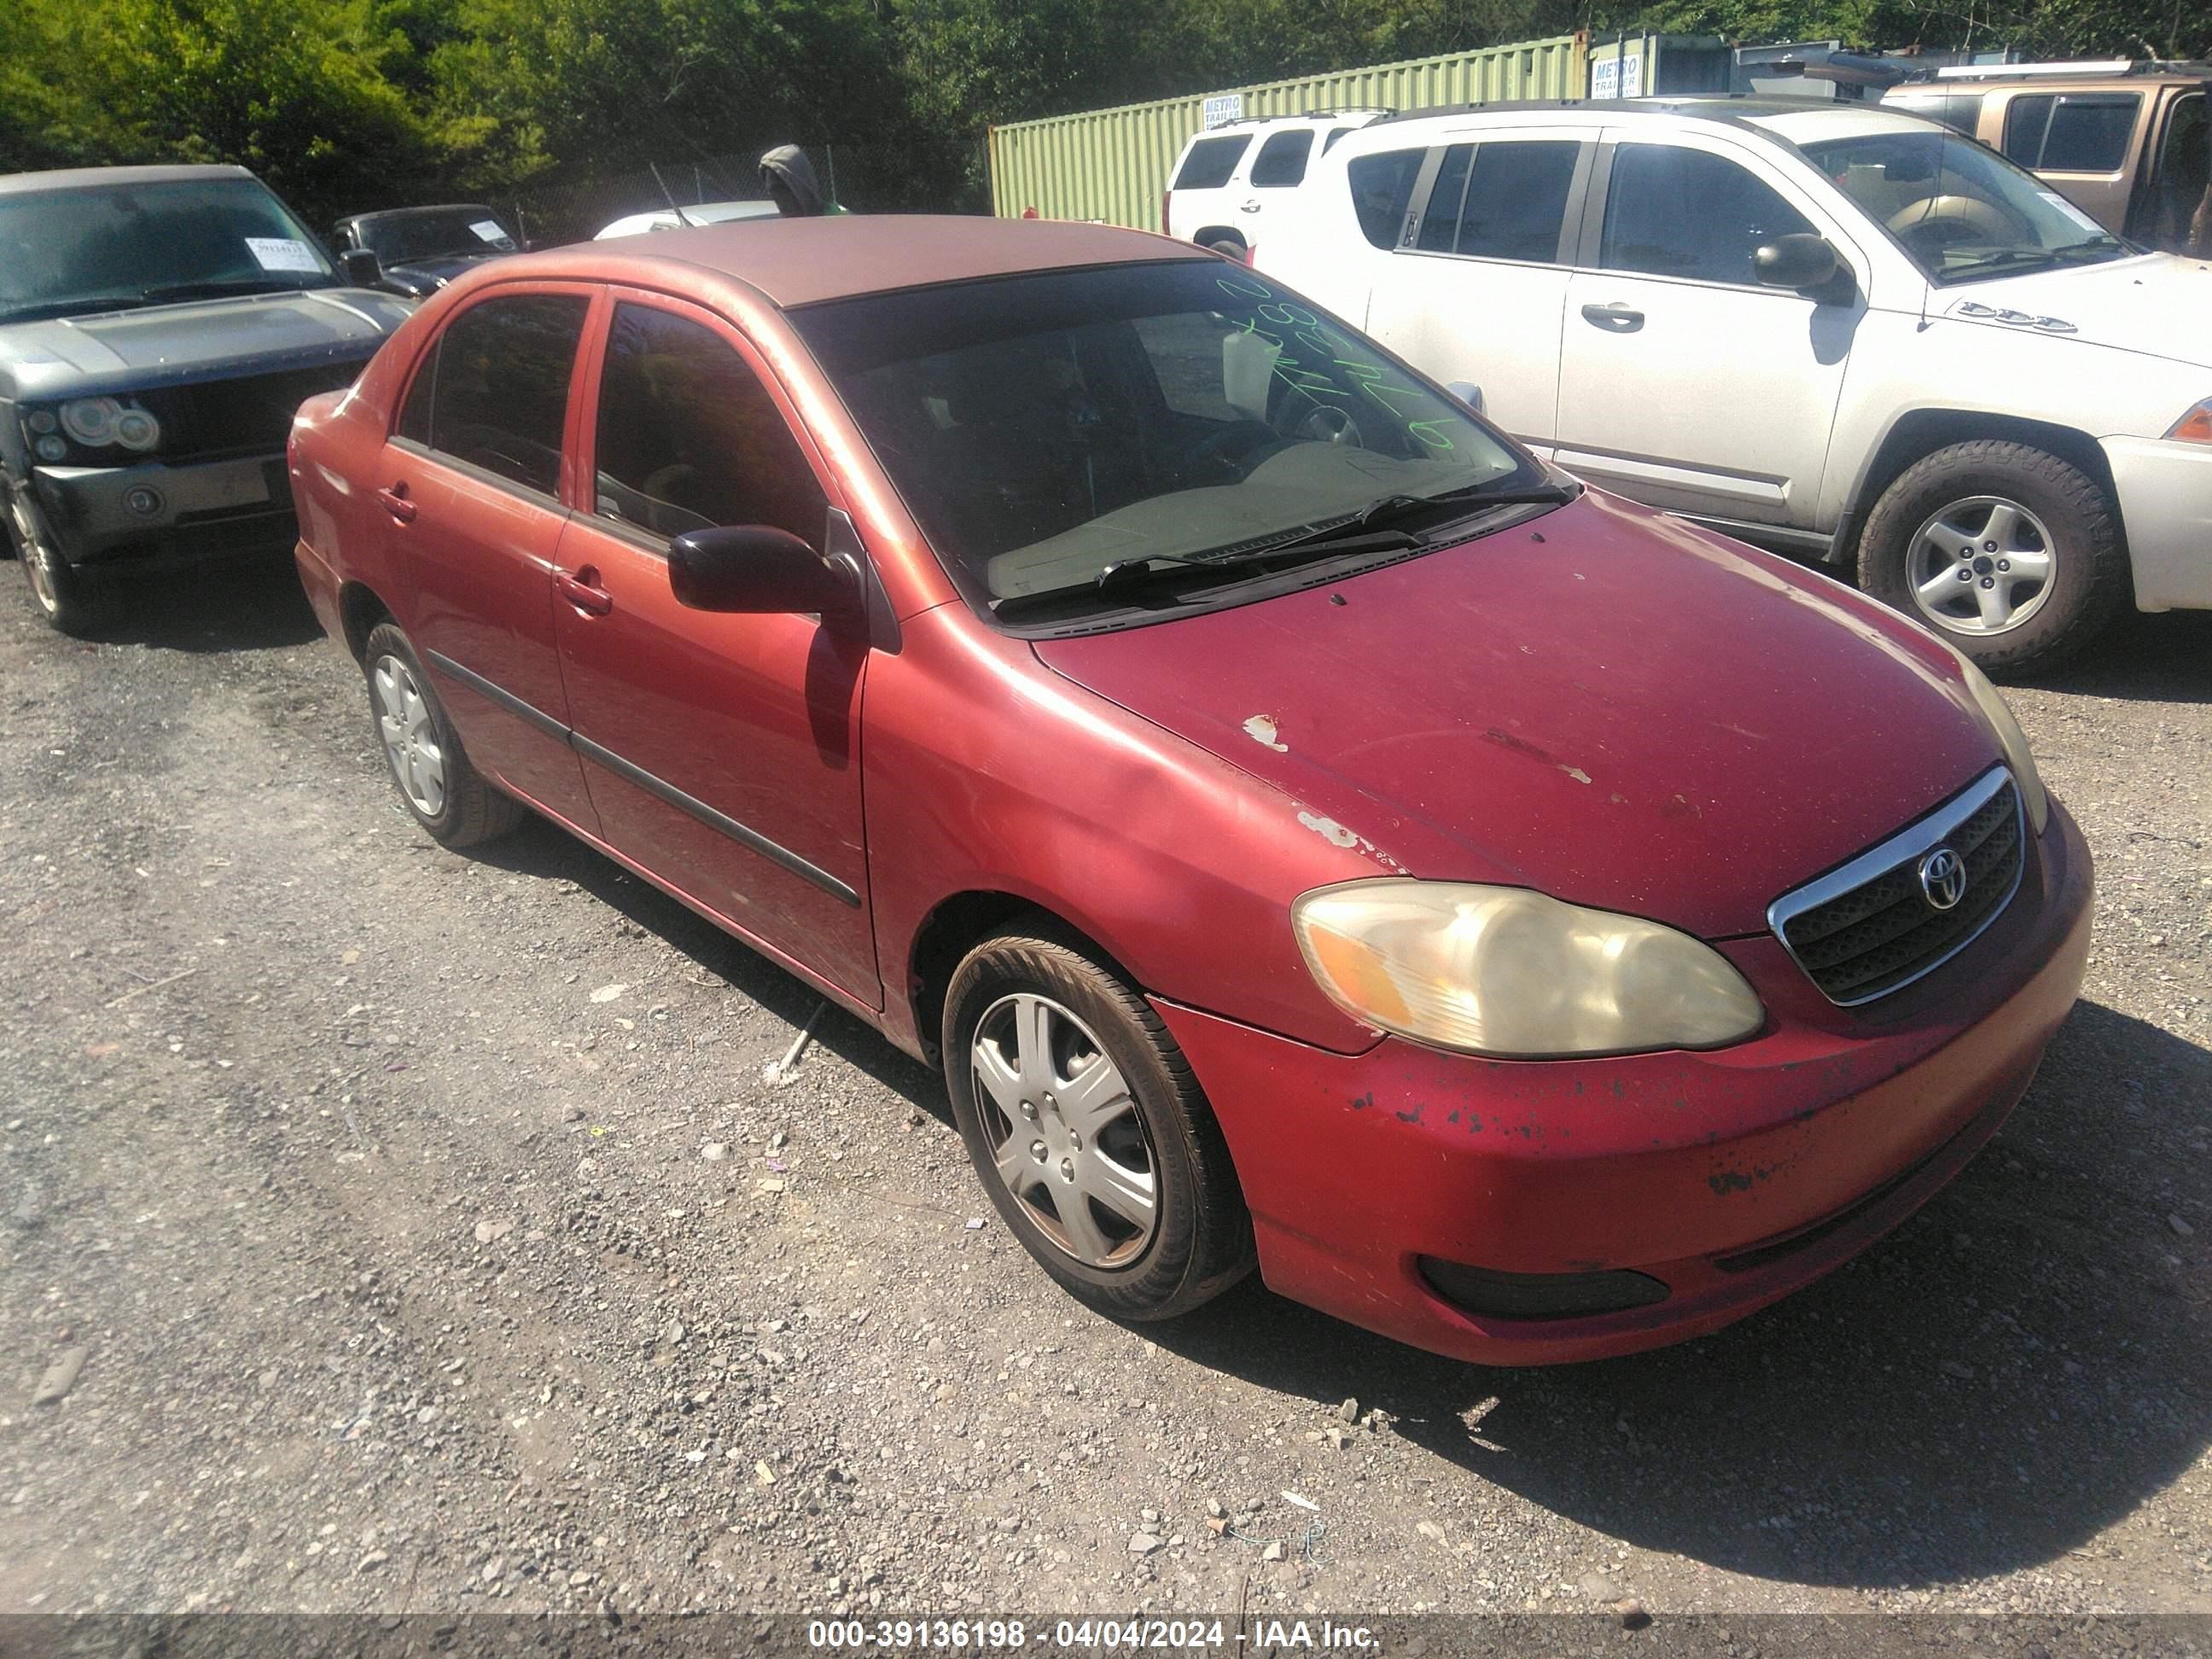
{"x": 469, "y": 496}
{"x": 1684, "y": 382}
{"x": 1279, "y": 164}
{"x": 722, "y": 751}
{"x": 1476, "y": 287}
{"x": 2084, "y": 143}
{"x": 1198, "y": 201}
{"x": 2173, "y": 211}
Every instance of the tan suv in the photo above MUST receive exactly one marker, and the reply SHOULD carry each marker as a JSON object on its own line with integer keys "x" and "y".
{"x": 2129, "y": 145}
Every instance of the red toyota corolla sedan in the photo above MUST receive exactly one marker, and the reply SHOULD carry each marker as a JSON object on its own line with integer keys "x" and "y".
{"x": 1305, "y": 829}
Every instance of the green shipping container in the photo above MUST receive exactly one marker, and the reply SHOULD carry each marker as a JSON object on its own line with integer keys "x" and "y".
{"x": 1112, "y": 164}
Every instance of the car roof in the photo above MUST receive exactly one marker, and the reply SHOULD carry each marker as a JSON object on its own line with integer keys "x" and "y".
{"x": 27, "y": 184}
{"x": 409, "y": 212}
{"x": 1713, "y": 106}
{"x": 806, "y": 261}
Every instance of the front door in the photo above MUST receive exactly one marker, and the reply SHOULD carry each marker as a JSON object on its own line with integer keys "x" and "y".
{"x": 722, "y": 750}
{"x": 469, "y": 495}
{"x": 1476, "y": 291}
{"x": 1683, "y": 381}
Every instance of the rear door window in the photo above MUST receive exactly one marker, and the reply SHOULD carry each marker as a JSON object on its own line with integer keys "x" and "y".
{"x": 1282, "y": 160}
{"x": 495, "y": 394}
{"x": 1673, "y": 211}
{"x": 1381, "y": 190}
{"x": 2071, "y": 132}
{"x": 1210, "y": 162}
{"x": 1516, "y": 201}
{"x": 689, "y": 438}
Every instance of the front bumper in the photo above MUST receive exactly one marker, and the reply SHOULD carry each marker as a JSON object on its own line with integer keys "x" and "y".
{"x": 1732, "y": 1177}
{"x": 2166, "y": 508}
{"x": 164, "y": 514}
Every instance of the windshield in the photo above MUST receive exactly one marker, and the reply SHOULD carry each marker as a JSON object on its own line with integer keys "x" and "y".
{"x": 69, "y": 250}
{"x": 438, "y": 233}
{"x": 1961, "y": 210}
{"x": 1043, "y": 428}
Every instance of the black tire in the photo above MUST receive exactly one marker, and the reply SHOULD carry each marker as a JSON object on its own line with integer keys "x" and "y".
{"x": 1229, "y": 247}
{"x": 1201, "y": 1242}
{"x": 2089, "y": 582}
{"x": 470, "y": 810}
{"x": 78, "y": 602}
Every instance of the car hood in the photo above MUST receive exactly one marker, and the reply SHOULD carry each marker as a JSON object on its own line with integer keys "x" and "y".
{"x": 434, "y": 272}
{"x": 2161, "y": 304}
{"x": 1607, "y": 705}
{"x": 204, "y": 339}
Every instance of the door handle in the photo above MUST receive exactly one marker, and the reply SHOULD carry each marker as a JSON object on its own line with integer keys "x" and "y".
{"x": 1249, "y": 207}
{"x": 1619, "y": 319}
{"x": 582, "y": 590}
{"x": 396, "y": 503}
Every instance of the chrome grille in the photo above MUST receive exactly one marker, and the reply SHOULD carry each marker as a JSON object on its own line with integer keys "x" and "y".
{"x": 1870, "y": 927}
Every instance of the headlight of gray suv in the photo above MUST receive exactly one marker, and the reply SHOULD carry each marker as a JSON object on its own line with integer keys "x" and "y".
{"x": 1516, "y": 974}
{"x": 102, "y": 423}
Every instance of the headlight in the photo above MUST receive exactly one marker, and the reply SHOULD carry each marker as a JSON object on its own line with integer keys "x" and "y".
{"x": 135, "y": 429}
{"x": 53, "y": 447}
{"x": 91, "y": 421}
{"x": 2195, "y": 426}
{"x": 2017, "y": 754}
{"x": 1505, "y": 971}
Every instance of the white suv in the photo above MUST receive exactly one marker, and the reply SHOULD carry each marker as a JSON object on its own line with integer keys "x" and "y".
{"x": 1836, "y": 330}
{"x": 1223, "y": 182}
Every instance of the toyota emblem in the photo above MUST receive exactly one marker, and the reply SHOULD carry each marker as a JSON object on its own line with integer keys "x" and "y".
{"x": 1943, "y": 879}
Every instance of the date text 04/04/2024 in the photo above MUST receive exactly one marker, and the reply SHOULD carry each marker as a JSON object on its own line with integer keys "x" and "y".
{"x": 1094, "y": 1634}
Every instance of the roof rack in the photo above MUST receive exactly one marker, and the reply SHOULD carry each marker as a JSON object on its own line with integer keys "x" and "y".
{"x": 2104, "y": 66}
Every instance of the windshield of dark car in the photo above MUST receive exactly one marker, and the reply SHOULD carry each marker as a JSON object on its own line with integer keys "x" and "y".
{"x": 1962, "y": 211}
{"x": 79, "y": 250}
{"x": 1042, "y": 428}
{"x": 445, "y": 233}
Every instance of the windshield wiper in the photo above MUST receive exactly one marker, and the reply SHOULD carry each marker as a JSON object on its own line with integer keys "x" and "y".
{"x": 1144, "y": 566}
{"x": 2020, "y": 260}
{"x": 53, "y": 308}
{"x": 216, "y": 290}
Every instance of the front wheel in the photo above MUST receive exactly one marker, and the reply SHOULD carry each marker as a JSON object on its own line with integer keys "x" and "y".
{"x": 1092, "y": 1136}
{"x": 69, "y": 600}
{"x": 2011, "y": 554}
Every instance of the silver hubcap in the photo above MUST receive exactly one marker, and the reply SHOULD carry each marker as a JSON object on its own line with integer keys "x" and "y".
{"x": 1981, "y": 565}
{"x": 36, "y": 556}
{"x": 1065, "y": 1133}
{"x": 411, "y": 737}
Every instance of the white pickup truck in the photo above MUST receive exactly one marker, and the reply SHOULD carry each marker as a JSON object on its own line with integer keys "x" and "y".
{"x": 1839, "y": 330}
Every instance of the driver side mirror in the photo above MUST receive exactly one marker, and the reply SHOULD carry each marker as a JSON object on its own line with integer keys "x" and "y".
{"x": 757, "y": 570}
{"x": 1801, "y": 261}
{"x": 361, "y": 267}
{"x": 1468, "y": 393}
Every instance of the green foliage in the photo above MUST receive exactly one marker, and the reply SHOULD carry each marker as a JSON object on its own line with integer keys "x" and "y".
{"x": 346, "y": 105}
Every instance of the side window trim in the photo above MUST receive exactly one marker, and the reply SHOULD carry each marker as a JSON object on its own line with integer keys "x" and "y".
{"x": 1573, "y": 227}
{"x": 1417, "y": 204}
{"x": 585, "y": 415}
{"x": 561, "y": 499}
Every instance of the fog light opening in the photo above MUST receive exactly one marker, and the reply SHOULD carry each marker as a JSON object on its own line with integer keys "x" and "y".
{"x": 1491, "y": 1295}
{"x": 143, "y": 500}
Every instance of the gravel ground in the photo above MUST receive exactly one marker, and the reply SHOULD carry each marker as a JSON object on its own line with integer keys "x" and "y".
{"x": 431, "y": 1238}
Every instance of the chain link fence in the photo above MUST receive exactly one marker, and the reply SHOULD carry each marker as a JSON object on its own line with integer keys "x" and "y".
{"x": 861, "y": 178}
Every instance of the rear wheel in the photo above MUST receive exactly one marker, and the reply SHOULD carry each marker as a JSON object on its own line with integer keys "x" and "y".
{"x": 1092, "y": 1136}
{"x": 69, "y": 600}
{"x": 447, "y": 796}
{"x": 2010, "y": 553}
{"x": 1229, "y": 247}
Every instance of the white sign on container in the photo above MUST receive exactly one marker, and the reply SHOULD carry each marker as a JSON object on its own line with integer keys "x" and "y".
{"x": 1223, "y": 109}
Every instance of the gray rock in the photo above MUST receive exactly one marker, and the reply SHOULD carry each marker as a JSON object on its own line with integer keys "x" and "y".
{"x": 2180, "y": 1226}
{"x": 1144, "y": 1543}
{"x": 1349, "y": 1411}
{"x": 60, "y": 1377}
{"x": 1596, "y": 1587}
{"x": 1274, "y": 1552}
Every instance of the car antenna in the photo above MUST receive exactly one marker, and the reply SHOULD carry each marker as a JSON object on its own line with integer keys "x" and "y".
{"x": 681, "y": 218}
